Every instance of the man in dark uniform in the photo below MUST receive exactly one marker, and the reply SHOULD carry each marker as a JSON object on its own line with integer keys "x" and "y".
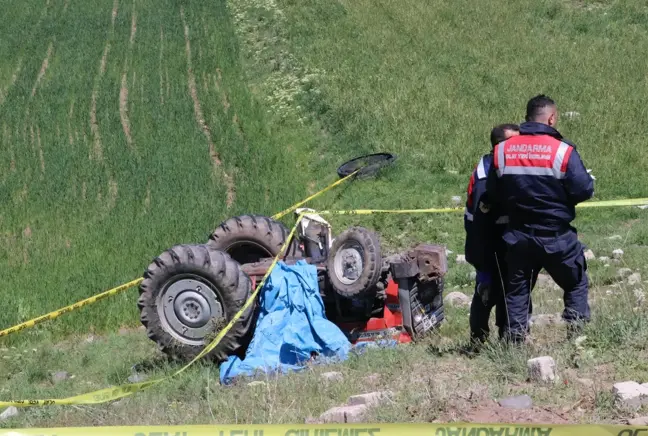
{"x": 485, "y": 250}
{"x": 539, "y": 178}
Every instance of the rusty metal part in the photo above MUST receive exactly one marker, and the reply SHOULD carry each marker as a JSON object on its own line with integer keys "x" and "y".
{"x": 431, "y": 260}
{"x": 425, "y": 262}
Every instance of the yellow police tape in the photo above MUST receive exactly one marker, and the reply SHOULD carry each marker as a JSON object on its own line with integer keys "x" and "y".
{"x": 317, "y": 194}
{"x": 606, "y": 203}
{"x": 70, "y": 308}
{"x": 110, "y": 394}
{"x": 341, "y": 430}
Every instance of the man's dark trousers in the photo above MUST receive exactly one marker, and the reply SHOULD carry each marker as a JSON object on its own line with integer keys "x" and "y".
{"x": 561, "y": 255}
{"x": 480, "y": 308}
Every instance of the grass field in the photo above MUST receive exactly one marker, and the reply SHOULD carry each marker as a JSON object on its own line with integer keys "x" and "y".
{"x": 131, "y": 126}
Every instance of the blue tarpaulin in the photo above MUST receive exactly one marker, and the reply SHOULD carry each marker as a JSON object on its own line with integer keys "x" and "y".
{"x": 290, "y": 328}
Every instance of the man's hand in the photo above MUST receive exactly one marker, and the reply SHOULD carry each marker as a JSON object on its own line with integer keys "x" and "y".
{"x": 483, "y": 286}
{"x": 483, "y": 290}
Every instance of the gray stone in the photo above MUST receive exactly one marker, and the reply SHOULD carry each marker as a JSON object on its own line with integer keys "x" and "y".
{"x": 9, "y": 412}
{"x": 630, "y": 394}
{"x": 546, "y": 319}
{"x": 615, "y": 238}
{"x": 642, "y": 421}
{"x": 456, "y": 199}
{"x": 624, "y": 272}
{"x": 461, "y": 259}
{"x": 639, "y": 295}
{"x": 137, "y": 378}
{"x": 457, "y": 299}
{"x": 604, "y": 259}
{"x": 634, "y": 279}
{"x": 589, "y": 255}
{"x": 617, "y": 254}
{"x": 60, "y": 376}
{"x": 344, "y": 414}
{"x": 542, "y": 369}
{"x": 371, "y": 399}
{"x": 517, "y": 402}
{"x": 332, "y": 376}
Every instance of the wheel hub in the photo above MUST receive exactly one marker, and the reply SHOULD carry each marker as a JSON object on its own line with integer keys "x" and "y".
{"x": 189, "y": 310}
{"x": 348, "y": 263}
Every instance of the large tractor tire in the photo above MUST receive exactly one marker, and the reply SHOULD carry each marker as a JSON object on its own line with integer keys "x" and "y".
{"x": 249, "y": 238}
{"x": 188, "y": 295}
{"x": 355, "y": 262}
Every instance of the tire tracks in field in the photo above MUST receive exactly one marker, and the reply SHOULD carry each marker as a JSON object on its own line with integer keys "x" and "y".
{"x": 96, "y": 153}
{"x": 123, "y": 90}
{"x": 44, "y": 67}
{"x": 5, "y": 90}
{"x": 200, "y": 118}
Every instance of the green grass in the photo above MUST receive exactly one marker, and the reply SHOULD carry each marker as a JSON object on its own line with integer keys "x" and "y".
{"x": 289, "y": 90}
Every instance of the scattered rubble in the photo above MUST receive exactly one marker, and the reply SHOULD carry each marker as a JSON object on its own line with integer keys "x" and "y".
{"x": 624, "y": 272}
{"x": 344, "y": 414}
{"x": 356, "y": 408}
{"x": 589, "y": 255}
{"x": 630, "y": 394}
{"x": 640, "y": 296}
{"x": 332, "y": 376}
{"x": 59, "y": 376}
{"x": 617, "y": 254}
{"x": 546, "y": 319}
{"x": 517, "y": 402}
{"x": 542, "y": 369}
{"x": 370, "y": 399}
{"x": 634, "y": 279}
{"x": 457, "y": 299}
{"x": 9, "y": 412}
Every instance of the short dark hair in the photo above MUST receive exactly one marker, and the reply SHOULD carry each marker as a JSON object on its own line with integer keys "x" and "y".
{"x": 536, "y": 105}
{"x": 498, "y": 134}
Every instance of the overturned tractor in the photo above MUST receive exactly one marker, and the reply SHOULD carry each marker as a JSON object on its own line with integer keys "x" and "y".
{"x": 190, "y": 292}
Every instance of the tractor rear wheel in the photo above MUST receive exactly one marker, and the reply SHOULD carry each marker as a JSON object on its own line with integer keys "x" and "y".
{"x": 249, "y": 238}
{"x": 188, "y": 295}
